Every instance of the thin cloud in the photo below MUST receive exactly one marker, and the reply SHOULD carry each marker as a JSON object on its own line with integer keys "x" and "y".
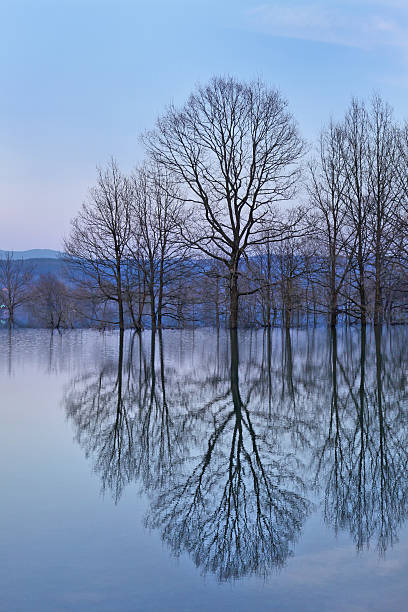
{"x": 360, "y": 24}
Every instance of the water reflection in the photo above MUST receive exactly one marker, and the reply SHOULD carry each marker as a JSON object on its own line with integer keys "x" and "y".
{"x": 362, "y": 462}
{"x": 232, "y": 450}
{"x": 234, "y": 502}
{"x": 97, "y": 403}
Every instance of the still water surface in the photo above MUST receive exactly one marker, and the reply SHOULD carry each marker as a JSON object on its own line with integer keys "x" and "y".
{"x": 173, "y": 476}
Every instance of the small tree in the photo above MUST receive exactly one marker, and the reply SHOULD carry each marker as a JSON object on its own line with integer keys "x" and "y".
{"x": 16, "y": 278}
{"x": 53, "y": 305}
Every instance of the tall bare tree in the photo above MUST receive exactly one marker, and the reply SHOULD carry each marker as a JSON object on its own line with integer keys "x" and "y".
{"x": 372, "y": 157}
{"x": 234, "y": 148}
{"x": 358, "y": 202}
{"x": 385, "y": 191}
{"x": 400, "y": 244}
{"x": 98, "y": 243}
{"x": 328, "y": 190}
{"x": 157, "y": 220}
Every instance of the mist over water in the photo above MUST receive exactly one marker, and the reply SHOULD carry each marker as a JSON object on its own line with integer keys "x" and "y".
{"x": 258, "y": 470}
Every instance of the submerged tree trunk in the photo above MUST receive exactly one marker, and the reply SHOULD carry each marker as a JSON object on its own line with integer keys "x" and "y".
{"x": 160, "y": 294}
{"x": 120, "y": 296}
{"x": 378, "y": 289}
{"x": 333, "y": 290}
{"x": 234, "y": 368}
{"x": 361, "y": 287}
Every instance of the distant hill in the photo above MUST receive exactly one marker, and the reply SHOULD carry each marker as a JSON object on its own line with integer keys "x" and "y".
{"x": 49, "y": 265}
{"x": 41, "y": 261}
{"x": 32, "y": 254}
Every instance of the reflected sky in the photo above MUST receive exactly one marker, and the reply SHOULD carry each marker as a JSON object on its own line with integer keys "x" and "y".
{"x": 192, "y": 471}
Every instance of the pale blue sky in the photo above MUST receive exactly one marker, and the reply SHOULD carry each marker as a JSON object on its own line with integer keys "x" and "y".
{"x": 81, "y": 79}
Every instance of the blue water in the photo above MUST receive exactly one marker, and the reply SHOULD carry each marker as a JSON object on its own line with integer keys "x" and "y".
{"x": 161, "y": 482}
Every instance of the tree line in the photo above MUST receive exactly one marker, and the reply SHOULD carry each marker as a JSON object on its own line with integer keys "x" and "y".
{"x": 30, "y": 298}
{"x": 233, "y": 219}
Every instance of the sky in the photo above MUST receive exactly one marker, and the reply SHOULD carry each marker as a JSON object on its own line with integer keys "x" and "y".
{"x": 80, "y": 80}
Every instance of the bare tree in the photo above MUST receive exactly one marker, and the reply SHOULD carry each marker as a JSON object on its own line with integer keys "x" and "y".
{"x": 53, "y": 304}
{"x": 291, "y": 269}
{"x": 16, "y": 277}
{"x": 157, "y": 219}
{"x": 358, "y": 202}
{"x": 328, "y": 193}
{"x": 98, "y": 242}
{"x": 372, "y": 161}
{"x": 135, "y": 289}
{"x": 234, "y": 148}
{"x": 385, "y": 191}
{"x": 400, "y": 243}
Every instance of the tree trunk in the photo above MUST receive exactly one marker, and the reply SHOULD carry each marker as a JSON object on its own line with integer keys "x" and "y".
{"x": 234, "y": 368}
{"x": 378, "y": 293}
{"x": 151, "y": 295}
{"x": 120, "y": 297}
{"x": 233, "y": 297}
{"x": 361, "y": 280}
{"x": 160, "y": 295}
{"x": 333, "y": 311}
{"x": 11, "y": 317}
{"x": 152, "y": 310}
{"x": 217, "y": 304}
{"x": 333, "y": 292}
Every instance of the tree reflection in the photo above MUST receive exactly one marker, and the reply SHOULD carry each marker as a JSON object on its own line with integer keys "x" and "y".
{"x": 221, "y": 446}
{"x": 97, "y": 405}
{"x": 160, "y": 444}
{"x": 364, "y": 458}
{"x": 236, "y": 507}
{"x": 221, "y": 484}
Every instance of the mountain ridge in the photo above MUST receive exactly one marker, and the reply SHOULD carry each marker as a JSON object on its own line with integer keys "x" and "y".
{"x": 32, "y": 254}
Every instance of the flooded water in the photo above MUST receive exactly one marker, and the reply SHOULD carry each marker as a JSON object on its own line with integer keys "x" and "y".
{"x": 194, "y": 473}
